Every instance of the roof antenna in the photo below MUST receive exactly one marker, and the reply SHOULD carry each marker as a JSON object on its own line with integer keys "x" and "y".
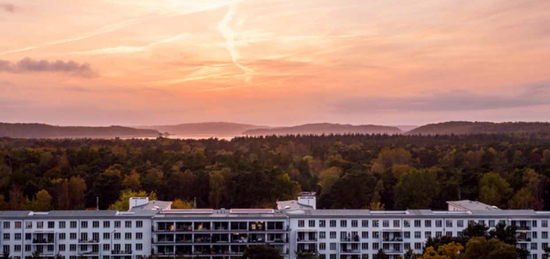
{"x": 97, "y": 203}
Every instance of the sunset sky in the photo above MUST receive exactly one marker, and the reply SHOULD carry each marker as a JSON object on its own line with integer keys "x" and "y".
{"x": 273, "y": 62}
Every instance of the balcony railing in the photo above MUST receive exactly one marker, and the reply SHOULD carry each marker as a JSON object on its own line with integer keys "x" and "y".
{"x": 88, "y": 241}
{"x": 350, "y": 239}
{"x": 42, "y": 241}
{"x": 121, "y": 252}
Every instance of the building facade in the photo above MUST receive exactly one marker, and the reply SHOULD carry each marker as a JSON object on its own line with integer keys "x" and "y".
{"x": 207, "y": 233}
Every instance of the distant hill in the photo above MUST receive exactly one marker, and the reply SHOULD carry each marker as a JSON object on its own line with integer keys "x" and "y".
{"x": 406, "y": 128}
{"x": 205, "y": 128}
{"x": 35, "y": 130}
{"x": 325, "y": 128}
{"x": 465, "y": 127}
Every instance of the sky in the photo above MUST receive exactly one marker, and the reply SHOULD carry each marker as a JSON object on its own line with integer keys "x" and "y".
{"x": 273, "y": 62}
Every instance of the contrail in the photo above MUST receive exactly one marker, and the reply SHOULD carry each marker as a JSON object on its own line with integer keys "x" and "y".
{"x": 117, "y": 26}
{"x": 129, "y": 49}
{"x": 229, "y": 36}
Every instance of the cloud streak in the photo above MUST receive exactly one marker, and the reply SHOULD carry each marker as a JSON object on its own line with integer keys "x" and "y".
{"x": 8, "y": 8}
{"x": 229, "y": 36}
{"x": 130, "y": 49}
{"x": 28, "y": 65}
{"x": 453, "y": 101}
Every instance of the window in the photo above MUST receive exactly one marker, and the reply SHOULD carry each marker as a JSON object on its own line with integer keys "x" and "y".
{"x": 322, "y": 223}
{"x": 396, "y": 224}
{"x": 544, "y": 235}
{"x": 17, "y": 248}
{"x": 17, "y": 225}
{"x": 322, "y": 246}
{"x": 39, "y": 224}
{"x": 128, "y": 236}
{"x": 534, "y": 246}
{"x": 449, "y": 223}
{"x": 407, "y": 223}
{"x": 6, "y": 236}
{"x": 417, "y": 246}
{"x": 311, "y": 223}
{"x": 106, "y": 236}
{"x": 544, "y": 223}
{"x": 128, "y": 224}
{"x": 534, "y": 223}
{"x": 28, "y": 224}
{"x": 106, "y": 224}
{"x": 333, "y": 235}
{"x": 117, "y": 236}
{"x": 535, "y": 235}
{"x": 322, "y": 235}
{"x": 73, "y": 224}
{"x": 84, "y": 224}
{"x": 343, "y": 223}
{"x": 333, "y": 223}
{"x": 386, "y": 223}
{"x": 365, "y": 234}
{"x": 428, "y": 223}
{"x": 459, "y": 234}
{"x": 365, "y": 246}
{"x": 139, "y": 224}
{"x": 332, "y": 246}
{"x": 301, "y": 223}
{"x": 407, "y": 234}
{"x": 117, "y": 224}
{"x": 491, "y": 223}
{"x": 417, "y": 223}
{"x": 6, "y": 224}
{"x": 28, "y": 248}
{"x": 365, "y": 223}
{"x": 72, "y": 247}
{"x": 62, "y": 248}
{"x": 375, "y": 235}
{"x": 106, "y": 247}
{"x": 439, "y": 223}
{"x": 460, "y": 223}
{"x": 449, "y": 233}
{"x": 51, "y": 224}
{"x": 6, "y": 249}
{"x": 72, "y": 236}
{"x": 62, "y": 236}
{"x": 354, "y": 223}
{"x": 482, "y": 222}
{"x": 139, "y": 236}
{"x": 417, "y": 234}
{"x": 17, "y": 236}
{"x": 375, "y": 223}
{"x": 438, "y": 234}
{"x": 427, "y": 234}
{"x": 28, "y": 236}
{"x": 95, "y": 224}
{"x": 62, "y": 224}
{"x": 375, "y": 246}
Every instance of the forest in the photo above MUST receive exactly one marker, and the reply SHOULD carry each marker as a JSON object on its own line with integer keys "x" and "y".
{"x": 377, "y": 172}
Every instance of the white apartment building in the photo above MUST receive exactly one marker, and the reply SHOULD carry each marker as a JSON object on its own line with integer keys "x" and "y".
{"x": 74, "y": 234}
{"x": 152, "y": 227}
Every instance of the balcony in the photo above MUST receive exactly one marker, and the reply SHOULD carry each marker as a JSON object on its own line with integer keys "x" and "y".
{"x": 349, "y": 239}
{"x": 88, "y": 241}
{"x": 521, "y": 228}
{"x": 121, "y": 252}
{"x": 42, "y": 241}
{"x": 306, "y": 240}
{"x": 350, "y": 251}
{"x": 392, "y": 239}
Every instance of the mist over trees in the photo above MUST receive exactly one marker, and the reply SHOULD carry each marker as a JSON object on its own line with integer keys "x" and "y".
{"x": 347, "y": 171}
